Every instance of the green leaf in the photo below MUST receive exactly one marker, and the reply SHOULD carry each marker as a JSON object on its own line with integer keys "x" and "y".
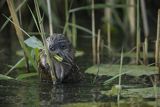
{"x": 122, "y": 103}
{"x": 33, "y": 42}
{"x": 132, "y": 70}
{"x": 4, "y": 77}
{"x": 23, "y": 76}
{"x": 135, "y": 92}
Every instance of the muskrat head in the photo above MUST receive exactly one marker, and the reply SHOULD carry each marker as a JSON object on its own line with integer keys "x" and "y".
{"x": 59, "y": 45}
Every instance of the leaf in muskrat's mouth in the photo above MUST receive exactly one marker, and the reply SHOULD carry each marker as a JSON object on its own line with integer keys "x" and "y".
{"x": 58, "y": 58}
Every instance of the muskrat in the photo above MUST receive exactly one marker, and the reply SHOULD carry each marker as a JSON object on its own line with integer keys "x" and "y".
{"x": 66, "y": 70}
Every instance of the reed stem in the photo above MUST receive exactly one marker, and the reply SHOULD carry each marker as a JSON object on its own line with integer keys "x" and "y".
{"x": 138, "y": 34}
{"x": 40, "y": 22}
{"x": 50, "y": 17}
{"x": 120, "y": 77}
{"x": 157, "y": 45}
{"x": 132, "y": 21}
{"x": 74, "y": 30}
{"x": 93, "y": 34}
{"x": 18, "y": 31}
{"x": 98, "y": 46}
{"x": 146, "y": 31}
{"x": 67, "y": 17}
{"x": 108, "y": 14}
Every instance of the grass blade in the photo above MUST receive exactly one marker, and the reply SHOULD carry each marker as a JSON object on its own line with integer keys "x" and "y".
{"x": 99, "y": 6}
{"x": 24, "y": 76}
{"x": 80, "y": 28}
{"x": 4, "y": 77}
{"x": 34, "y": 18}
{"x": 19, "y": 62}
{"x": 17, "y": 26}
{"x": 18, "y": 8}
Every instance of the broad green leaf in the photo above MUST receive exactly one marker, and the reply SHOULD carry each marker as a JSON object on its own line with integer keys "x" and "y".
{"x": 142, "y": 92}
{"x": 135, "y": 92}
{"x": 4, "y": 77}
{"x": 33, "y": 42}
{"x": 27, "y": 75}
{"x": 132, "y": 70}
{"x": 35, "y": 56}
{"x": 23, "y": 45}
{"x": 112, "y": 103}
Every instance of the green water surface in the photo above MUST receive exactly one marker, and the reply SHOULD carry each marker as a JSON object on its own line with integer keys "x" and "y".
{"x": 32, "y": 93}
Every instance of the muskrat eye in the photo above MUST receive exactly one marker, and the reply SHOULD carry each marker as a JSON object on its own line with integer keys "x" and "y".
{"x": 62, "y": 46}
{"x": 51, "y": 48}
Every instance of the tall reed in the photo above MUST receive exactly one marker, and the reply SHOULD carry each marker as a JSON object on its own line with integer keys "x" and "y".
{"x": 50, "y": 17}
{"x": 93, "y": 34}
{"x": 98, "y": 46}
{"x": 18, "y": 31}
{"x": 108, "y": 14}
{"x": 138, "y": 33}
{"x": 157, "y": 45}
{"x": 146, "y": 32}
{"x": 66, "y": 17}
{"x": 41, "y": 27}
{"x": 74, "y": 30}
{"x": 120, "y": 76}
{"x": 16, "y": 10}
{"x": 132, "y": 20}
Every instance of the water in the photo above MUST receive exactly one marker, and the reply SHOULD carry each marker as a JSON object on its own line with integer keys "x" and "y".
{"x": 32, "y": 93}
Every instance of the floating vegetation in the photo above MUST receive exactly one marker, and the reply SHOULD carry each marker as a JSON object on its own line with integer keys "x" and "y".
{"x": 132, "y": 70}
{"x": 133, "y": 92}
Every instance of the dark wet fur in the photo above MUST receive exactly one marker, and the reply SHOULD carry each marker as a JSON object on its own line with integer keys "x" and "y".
{"x": 70, "y": 68}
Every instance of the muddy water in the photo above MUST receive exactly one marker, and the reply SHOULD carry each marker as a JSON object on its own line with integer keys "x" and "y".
{"x": 32, "y": 93}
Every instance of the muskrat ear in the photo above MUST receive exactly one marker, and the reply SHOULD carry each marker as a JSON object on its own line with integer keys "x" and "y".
{"x": 48, "y": 39}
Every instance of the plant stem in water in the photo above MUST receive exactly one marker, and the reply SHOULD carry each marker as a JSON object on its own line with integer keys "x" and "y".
{"x": 138, "y": 34}
{"x": 93, "y": 34}
{"x": 98, "y": 46}
{"x": 40, "y": 22}
{"x": 18, "y": 31}
{"x": 157, "y": 45}
{"x": 146, "y": 32}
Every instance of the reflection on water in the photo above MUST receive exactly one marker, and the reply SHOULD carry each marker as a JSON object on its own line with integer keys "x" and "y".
{"x": 34, "y": 94}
